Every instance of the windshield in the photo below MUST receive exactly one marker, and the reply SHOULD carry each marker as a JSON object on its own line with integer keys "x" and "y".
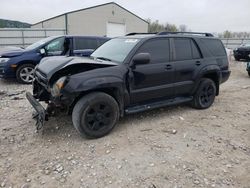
{"x": 39, "y": 43}
{"x": 115, "y": 49}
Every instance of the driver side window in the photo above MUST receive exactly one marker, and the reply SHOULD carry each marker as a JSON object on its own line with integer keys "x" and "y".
{"x": 158, "y": 49}
{"x": 56, "y": 47}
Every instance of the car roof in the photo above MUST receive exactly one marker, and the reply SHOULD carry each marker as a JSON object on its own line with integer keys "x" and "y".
{"x": 79, "y": 36}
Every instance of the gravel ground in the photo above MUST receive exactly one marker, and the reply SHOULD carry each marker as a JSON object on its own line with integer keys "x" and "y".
{"x": 169, "y": 147}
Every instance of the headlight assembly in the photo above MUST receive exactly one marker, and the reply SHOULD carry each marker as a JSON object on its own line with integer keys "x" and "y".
{"x": 58, "y": 86}
{"x": 4, "y": 60}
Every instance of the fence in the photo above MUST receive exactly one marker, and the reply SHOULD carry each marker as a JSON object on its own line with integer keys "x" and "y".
{"x": 232, "y": 43}
{"x": 24, "y": 37}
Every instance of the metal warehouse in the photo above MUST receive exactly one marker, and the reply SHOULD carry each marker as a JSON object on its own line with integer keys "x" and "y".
{"x": 108, "y": 19}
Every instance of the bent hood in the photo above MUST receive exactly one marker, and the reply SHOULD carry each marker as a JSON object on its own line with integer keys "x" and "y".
{"x": 72, "y": 65}
{"x": 11, "y": 52}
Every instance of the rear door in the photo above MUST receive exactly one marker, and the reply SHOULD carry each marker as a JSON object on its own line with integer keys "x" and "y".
{"x": 153, "y": 80}
{"x": 187, "y": 60}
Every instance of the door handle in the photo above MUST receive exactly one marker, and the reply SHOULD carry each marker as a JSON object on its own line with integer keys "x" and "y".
{"x": 198, "y": 63}
{"x": 168, "y": 67}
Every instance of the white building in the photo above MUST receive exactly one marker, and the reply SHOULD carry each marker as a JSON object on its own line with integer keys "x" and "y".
{"x": 108, "y": 19}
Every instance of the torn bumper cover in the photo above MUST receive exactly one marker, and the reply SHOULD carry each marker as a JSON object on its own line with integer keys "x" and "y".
{"x": 41, "y": 114}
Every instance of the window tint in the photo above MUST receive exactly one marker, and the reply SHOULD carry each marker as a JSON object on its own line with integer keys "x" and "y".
{"x": 214, "y": 46}
{"x": 85, "y": 43}
{"x": 195, "y": 51}
{"x": 182, "y": 49}
{"x": 158, "y": 50}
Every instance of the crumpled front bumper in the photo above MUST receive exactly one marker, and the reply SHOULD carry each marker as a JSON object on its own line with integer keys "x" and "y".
{"x": 41, "y": 114}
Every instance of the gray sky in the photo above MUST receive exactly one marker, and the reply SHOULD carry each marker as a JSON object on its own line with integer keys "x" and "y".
{"x": 198, "y": 15}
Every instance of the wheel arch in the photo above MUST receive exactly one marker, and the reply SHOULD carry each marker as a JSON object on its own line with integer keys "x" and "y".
{"x": 114, "y": 92}
{"x": 23, "y": 62}
{"x": 215, "y": 77}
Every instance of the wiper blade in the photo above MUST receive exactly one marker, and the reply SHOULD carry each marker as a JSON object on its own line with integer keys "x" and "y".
{"x": 104, "y": 58}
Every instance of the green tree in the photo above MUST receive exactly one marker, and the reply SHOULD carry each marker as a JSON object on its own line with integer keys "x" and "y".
{"x": 155, "y": 26}
{"x": 170, "y": 27}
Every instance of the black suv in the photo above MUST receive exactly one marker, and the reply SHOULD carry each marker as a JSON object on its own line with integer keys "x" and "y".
{"x": 242, "y": 52}
{"x": 130, "y": 74}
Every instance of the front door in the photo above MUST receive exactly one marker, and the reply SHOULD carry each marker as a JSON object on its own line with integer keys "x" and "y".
{"x": 153, "y": 80}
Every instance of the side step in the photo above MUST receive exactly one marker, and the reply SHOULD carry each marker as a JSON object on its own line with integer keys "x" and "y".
{"x": 158, "y": 104}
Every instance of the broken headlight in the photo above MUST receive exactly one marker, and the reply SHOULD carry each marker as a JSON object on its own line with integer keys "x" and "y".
{"x": 58, "y": 86}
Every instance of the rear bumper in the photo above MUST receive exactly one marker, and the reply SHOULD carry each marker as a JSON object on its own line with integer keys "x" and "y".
{"x": 225, "y": 75}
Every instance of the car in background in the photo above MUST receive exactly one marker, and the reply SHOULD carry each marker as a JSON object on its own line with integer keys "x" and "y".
{"x": 248, "y": 67}
{"x": 242, "y": 52}
{"x": 20, "y": 63}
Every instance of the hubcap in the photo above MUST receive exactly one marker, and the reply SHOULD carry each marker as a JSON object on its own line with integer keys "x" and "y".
{"x": 27, "y": 74}
{"x": 98, "y": 116}
{"x": 207, "y": 95}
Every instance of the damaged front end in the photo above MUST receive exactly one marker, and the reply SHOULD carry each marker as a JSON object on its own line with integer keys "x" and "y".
{"x": 49, "y": 87}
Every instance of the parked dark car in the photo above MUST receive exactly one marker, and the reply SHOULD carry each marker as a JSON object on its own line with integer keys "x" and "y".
{"x": 20, "y": 63}
{"x": 242, "y": 52}
{"x": 130, "y": 74}
{"x": 248, "y": 68}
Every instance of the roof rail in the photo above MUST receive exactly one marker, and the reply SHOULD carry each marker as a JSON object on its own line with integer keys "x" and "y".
{"x": 129, "y": 34}
{"x": 190, "y": 33}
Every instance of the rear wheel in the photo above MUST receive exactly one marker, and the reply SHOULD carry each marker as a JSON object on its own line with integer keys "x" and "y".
{"x": 25, "y": 73}
{"x": 95, "y": 114}
{"x": 205, "y": 94}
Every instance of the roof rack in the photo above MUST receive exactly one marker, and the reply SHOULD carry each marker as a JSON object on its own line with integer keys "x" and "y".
{"x": 190, "y": 33}
{"x": 129, "y": 34}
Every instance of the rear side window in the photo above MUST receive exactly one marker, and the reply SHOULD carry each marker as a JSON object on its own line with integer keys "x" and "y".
{"x": 85, "y": 43}
{"x": 158, "y": 50}
{"x": 183, "y": 49}
{"x": 214, "y": 46}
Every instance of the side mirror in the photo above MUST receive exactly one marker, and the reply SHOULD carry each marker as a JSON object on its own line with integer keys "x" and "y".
{"x": 141, "y": 58}
{"x": 42, "y": 51}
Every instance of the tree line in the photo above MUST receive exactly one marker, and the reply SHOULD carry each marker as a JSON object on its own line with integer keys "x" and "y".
{"x": 155, "y": 27}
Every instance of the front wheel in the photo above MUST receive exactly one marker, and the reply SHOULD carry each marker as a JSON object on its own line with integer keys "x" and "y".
{"x": 95, "y": 114}
{"x": 25, "y": 74}
{"x": 205, "y": 94}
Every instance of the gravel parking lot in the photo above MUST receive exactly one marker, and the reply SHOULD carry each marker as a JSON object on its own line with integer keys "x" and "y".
{"x": 168, "y": 147}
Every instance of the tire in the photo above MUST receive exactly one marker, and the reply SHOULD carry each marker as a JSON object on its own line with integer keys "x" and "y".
{"x": 249, "y": 73}
{"x": 95, "y": 115}
{"x": 237, "y": 58}
{"x": 205, "y": 94}
{"x": 25, "y": 73}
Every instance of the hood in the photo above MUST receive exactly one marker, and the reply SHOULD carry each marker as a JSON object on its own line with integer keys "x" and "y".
{"x": 70, "y": 65}
{"x": 11, "y": 51}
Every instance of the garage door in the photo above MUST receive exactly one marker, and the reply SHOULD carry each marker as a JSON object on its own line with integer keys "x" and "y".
{"x": 115, "y": 29}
